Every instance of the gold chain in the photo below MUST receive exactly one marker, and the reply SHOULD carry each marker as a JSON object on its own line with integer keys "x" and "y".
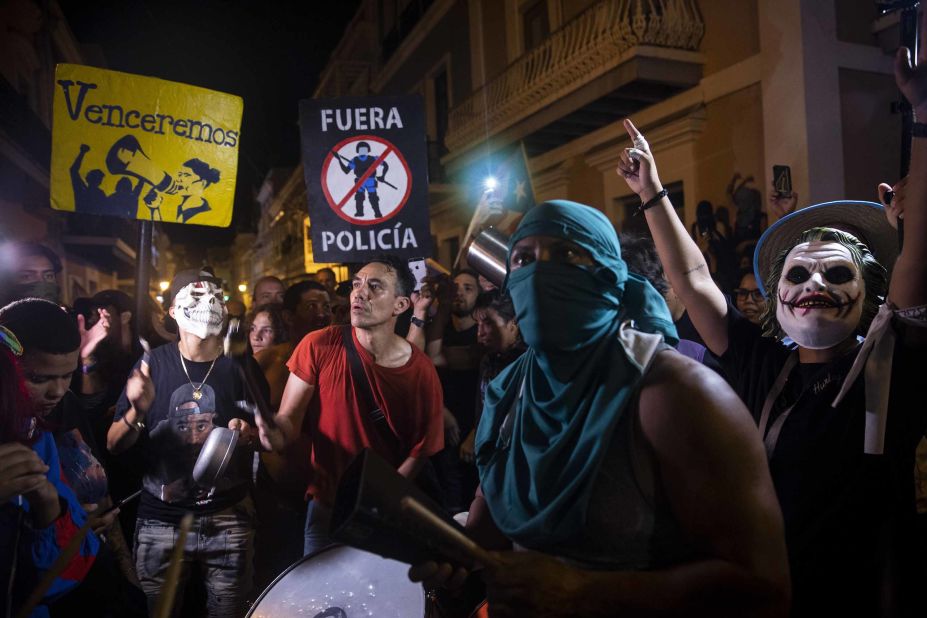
{"x": 197, "y": 390}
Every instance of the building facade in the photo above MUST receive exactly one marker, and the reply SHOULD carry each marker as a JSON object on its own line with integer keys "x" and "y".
{"x": 96, "y": 252}
{"x": 282, "y": 245}
{"x": 721, "y": 89}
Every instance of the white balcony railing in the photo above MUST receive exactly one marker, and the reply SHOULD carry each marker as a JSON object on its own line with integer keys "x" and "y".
{"x": 583, "y": 49}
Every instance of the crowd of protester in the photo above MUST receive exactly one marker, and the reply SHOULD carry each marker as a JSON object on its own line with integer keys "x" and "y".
{"x": 597, "y": 412}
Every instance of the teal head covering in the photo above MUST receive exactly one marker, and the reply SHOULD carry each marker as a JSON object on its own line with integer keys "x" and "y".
{"x": 565, "y": 395}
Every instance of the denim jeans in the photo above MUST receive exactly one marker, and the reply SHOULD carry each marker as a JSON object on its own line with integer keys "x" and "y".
{"x": 318, "y": 527}
{"x": 220, "y": 546}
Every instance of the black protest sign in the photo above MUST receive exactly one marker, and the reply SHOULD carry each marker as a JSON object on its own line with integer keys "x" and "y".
{"x": 366, "y": 170}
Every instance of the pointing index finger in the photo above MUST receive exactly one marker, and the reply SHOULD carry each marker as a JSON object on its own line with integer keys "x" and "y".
{"x": 631, "y": 129}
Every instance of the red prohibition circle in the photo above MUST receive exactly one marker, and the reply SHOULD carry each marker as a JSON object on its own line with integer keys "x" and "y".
{"x": 333, "y": 203}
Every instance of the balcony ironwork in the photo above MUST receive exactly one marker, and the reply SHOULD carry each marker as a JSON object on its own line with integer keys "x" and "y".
{"x": 585, "y": 48}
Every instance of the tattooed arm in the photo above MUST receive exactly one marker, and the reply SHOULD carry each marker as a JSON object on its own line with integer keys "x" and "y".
{"x": 683, "y": 261}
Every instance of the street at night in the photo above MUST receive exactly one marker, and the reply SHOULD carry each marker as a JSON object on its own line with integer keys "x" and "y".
{"x": 463, "y": 308}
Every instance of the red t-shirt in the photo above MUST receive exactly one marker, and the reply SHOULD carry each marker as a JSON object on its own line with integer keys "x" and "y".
{"x": 340, "y": 427}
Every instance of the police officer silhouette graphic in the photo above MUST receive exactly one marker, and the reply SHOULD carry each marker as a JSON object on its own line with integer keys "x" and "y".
{"x": 360, "y": 165}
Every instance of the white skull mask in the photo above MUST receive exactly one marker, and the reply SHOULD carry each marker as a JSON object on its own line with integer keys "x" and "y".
{"x": 820, "y": 294}
{"x": 200, "y": 309}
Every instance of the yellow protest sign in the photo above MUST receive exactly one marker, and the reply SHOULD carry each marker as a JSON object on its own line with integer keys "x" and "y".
{"x": 143, "y": 148}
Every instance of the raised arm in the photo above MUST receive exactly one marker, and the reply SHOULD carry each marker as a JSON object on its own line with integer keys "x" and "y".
{"x": 683, "y": 262}
{"x": 908, "y": 287}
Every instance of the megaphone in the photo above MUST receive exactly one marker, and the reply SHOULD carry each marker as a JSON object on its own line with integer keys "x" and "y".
{"x": 127, "y": 157}
{"x": 379, "y": 510}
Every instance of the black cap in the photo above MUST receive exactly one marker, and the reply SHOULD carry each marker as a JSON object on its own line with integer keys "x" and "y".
{"x": 186, "y": 277}
{"x": 114, "y": 298}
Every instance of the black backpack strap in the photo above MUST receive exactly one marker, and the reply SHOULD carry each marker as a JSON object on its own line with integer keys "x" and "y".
{"x": 362, "y": 384}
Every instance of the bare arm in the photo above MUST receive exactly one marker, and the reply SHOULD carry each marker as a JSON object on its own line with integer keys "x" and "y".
{"x": 140, "y": 392}
{"x": 411, "y": 467}
{"x": 421, "y": 301}
{"x": 120, "y": 436}
{"x": 91, "y": 381}
{"x": 908, "y": 286}
{"x": 289, "y": 419}
{"x": 683, "y": 262}
{"x": 717, "y": 483}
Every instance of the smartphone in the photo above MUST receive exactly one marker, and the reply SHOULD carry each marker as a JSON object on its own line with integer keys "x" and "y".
{"x": 419, "y": 271}
{"x": 123, "y": 502}
{"x": 782, "y": 180}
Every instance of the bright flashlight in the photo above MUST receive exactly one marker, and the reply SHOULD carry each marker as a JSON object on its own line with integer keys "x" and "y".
{"x": 490, "y": 183}
{"x": 163, "y": 285}
{"x": 242, "y": 287}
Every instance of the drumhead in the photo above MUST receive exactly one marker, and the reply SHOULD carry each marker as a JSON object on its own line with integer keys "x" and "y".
{"x": 342, "y": 582}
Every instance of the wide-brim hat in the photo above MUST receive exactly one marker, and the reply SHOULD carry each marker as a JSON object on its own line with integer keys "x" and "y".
{"x": 864, "y": 220}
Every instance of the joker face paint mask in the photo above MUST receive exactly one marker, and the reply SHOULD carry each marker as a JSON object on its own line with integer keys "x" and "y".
{"x": 820, "y": 295}
{"x": 199, "y": 309}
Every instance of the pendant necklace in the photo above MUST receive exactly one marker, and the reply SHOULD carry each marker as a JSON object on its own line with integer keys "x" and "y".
{"x": 197, "y": 390}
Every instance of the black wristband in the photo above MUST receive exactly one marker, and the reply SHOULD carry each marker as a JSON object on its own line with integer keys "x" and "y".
{"x": 919, "y": 129}
{"x": 418, "y": 322}
{"x": 651, "y": 202}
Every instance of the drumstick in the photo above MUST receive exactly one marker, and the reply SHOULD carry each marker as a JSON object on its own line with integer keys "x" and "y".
{"x": 172, "y": 576}
{"x": 64, "y": 558}
{"x": 450, "y": 537}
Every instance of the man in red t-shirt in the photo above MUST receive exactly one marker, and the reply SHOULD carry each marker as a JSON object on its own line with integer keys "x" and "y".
{"x": 402, "y": 379}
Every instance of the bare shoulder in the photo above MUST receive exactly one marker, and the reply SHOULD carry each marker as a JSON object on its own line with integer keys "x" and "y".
{"x": 680, "y": 393}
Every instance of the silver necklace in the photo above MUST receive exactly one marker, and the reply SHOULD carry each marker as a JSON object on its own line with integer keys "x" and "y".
{"x": 197, "y": 390}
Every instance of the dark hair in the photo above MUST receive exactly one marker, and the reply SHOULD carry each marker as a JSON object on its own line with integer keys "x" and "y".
{"x": 114, "y": 298}
{"x": 266, "y": 278}
{"x": 343, "y": 289}
{"x": 202, "y": 169}
{"x": 29, "y": 248}
{"x": 743, "y": 272}
{"x": 326, "y": 270}
{"x": 294, "y": 293}
{"x": 16, "y": 412}
{"x": 640, "y": 254}
{"x": 466, "y": 271}
{"x": 275, "y": 312}
{"x": 498, "y": 301}
{"x": 405, "y": 281}
{"x": 874, "y": 275}
{"x": 41, "y": 325}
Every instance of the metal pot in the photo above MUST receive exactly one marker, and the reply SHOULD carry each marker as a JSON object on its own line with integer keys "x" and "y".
{"x": 215, "y": 456}
{"x": 488, "y": 254}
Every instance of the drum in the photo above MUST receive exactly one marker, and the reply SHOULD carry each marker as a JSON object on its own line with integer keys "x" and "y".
{"x": 342, "y": 582}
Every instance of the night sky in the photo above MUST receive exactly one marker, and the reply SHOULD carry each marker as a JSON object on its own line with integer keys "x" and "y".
{"x": 269, "y": 53}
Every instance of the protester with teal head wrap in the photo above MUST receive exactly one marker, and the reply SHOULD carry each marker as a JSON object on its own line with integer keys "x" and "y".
{"x": 568, "y": 391}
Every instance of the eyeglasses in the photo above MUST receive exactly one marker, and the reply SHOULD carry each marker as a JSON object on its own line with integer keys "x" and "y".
{"x": 743, "y": 294}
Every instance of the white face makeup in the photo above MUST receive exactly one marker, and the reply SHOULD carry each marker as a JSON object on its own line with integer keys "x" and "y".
{"x": 820, "y": 295}
{"x": 199, "y": 309}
